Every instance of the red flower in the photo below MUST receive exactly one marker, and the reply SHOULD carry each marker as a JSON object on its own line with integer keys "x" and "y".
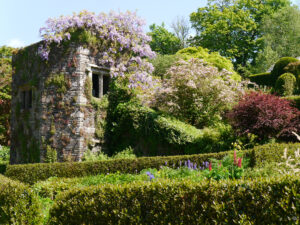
{"x": 240, "y": 162}
{"x": 234, "y": 158}
{"x": 210, "y": 166}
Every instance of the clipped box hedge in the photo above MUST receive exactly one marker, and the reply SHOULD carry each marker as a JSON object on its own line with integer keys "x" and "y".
{"x": 262, "y": 79}
{"x": 18, "y": 203}
{"x": 261, "y": 201}
{"x": 295, "y": 99}
{"x": 31, "y": 173}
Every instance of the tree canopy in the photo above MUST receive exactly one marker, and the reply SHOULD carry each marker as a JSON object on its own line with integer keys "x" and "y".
{"x": 233, "y": 27}
{"x": 163, "y": 41}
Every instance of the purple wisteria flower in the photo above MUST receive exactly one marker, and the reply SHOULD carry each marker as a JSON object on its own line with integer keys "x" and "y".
{"x": 123, "y": 32}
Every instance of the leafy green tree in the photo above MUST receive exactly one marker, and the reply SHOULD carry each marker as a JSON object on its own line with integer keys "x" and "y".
{"x": 163, "y": 41}
{"x": 233, "y": 27}
{"x": 281, "y": 37}
{"x": 5, "y": 92}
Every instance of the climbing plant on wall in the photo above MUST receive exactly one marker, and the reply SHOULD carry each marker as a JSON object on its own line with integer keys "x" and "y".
{"x": 118, "y": 38}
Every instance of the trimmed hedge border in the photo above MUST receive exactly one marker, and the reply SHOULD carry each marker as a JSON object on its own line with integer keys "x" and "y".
{"x": 18, "y": 203}
{"x": 295, "y": 99}
{"x": 261, "y": 201}
{"x": 262, "y": 79}
{"x": 31, "y": 173}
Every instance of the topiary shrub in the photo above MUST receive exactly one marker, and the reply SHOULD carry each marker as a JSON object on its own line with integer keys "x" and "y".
{"x": 262, "y": 79}
{"x": 279, "y": 67}
{"x": 262, "y": 114}
{"x": 285, "y": 84}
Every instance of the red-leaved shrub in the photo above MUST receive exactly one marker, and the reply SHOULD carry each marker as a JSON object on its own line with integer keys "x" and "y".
{"x": 264, "y": 115}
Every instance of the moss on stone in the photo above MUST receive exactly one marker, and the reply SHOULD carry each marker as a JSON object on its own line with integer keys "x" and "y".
{"x": 59, "y": 81}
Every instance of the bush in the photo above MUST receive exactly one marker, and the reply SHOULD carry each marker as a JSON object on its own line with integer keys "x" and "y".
{"x": 264, "y": 201}
{"x": 262, "y": 79}
{"x": 196, "y": 93}
{"x": 31, "y": 173}
{"x": 151, "y": 133}
{"x": 285, "y": 84}
{"x": 18, "y": 203}
{"x": 162, "y": 63}
{"x": 279, "y": 67}
{"x": 261, "y": 114}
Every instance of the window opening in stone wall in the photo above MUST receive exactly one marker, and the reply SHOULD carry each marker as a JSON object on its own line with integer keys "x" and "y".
{"x": 105, "y": 84}
{"x": 23, "y": 99}
{"x": 95, "y": 90}
{"x": 26, "y": 99}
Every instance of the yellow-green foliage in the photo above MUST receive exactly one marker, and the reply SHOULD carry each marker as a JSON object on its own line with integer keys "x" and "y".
{"x": 88, "y": 88}
{"x": 213, "y": 58}
{"x": 18, "y": 203}
{"x": 285, "y": 84}
{"x": 59, "y": 81}
{"x": 261, "y": 201}
{"x": 51, "y": 155}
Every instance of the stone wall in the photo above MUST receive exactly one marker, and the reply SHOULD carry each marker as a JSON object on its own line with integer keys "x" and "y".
{"x": 60, "y": 124}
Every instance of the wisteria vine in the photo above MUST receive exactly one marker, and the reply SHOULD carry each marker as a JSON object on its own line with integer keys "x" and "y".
{"x": 122, "y": 32}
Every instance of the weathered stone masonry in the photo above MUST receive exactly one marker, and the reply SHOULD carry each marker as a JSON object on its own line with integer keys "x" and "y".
{"x": 52, "y": 117}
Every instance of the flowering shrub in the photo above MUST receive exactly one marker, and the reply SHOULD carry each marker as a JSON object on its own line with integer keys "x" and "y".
{"x": 196, "y": 93}
{"x": 264, "y": 115}
{"x": 119, "y": 37}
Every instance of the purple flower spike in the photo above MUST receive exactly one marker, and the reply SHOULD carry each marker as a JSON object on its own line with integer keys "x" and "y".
{"x": 195, "y": 166}
{"x": 151, "y": 176}
{"x": 166, "y": 163}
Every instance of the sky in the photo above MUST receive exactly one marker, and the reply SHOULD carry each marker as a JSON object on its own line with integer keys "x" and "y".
{"x": 20, "y": 20}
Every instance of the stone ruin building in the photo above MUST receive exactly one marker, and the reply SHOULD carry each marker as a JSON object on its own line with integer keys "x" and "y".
{"x": 53, "y": 114}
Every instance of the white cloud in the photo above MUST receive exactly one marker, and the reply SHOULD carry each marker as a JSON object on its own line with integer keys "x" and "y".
{"x": 15, "y": 43}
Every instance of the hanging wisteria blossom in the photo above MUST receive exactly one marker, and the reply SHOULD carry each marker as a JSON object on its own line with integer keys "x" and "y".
{"x": 126, "y": 45}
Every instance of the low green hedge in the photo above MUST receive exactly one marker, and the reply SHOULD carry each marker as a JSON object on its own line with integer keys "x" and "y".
{"x": 150, "y": 134}
{"x": 261, "y": 201}
{"x": 18, "y": 203}
{"x": 295, "y": 99}
{"x": 31, "y": 173}
{"x": 262, "y": 79}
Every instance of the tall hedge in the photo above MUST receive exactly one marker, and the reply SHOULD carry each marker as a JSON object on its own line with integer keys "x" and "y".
{"x": 31, "y": 173}
{"x": 18, "y": 203}
{"x": 262, "y": 79}
{"x": 261, "y": 201}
